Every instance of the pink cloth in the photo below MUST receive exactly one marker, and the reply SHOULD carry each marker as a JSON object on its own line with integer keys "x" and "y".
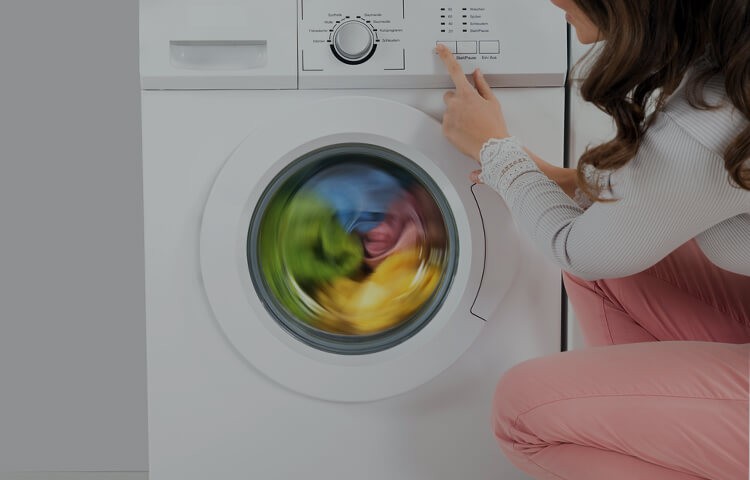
{"x": 401, "y": 230}
{"x": 664, "y": 396}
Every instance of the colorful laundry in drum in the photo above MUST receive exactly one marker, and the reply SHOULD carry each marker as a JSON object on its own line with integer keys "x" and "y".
{"x": 355, "y": 249}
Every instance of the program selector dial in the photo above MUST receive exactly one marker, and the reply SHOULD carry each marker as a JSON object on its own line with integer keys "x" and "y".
{"x": 353, "y": 42}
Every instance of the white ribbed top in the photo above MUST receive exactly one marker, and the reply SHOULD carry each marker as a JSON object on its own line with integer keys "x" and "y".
{"x": 674, "y": 190}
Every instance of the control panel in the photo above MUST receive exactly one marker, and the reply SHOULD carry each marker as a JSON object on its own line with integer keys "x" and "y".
{"x": 319, "y": 44}
{"x": 390, "y": 43}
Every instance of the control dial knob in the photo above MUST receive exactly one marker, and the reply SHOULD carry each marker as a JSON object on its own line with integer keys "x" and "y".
{"x": 353, "y": 42}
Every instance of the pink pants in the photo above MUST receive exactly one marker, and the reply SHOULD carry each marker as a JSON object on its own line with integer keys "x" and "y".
{"x": 664, "y": 396}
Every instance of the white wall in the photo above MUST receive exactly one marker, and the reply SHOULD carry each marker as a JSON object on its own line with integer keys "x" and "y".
{"x": 588, "y": 127}
{"x": 72, "y": 338}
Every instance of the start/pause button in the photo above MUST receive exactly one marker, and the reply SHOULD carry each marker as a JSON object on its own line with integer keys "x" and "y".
{"x": 466, "y": 47}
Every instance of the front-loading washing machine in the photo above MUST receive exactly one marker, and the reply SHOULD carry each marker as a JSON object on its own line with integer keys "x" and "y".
{"x": 327, "y": 293}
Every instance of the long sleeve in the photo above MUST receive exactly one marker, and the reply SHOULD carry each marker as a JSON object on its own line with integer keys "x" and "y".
{"x": 673, "y": 190}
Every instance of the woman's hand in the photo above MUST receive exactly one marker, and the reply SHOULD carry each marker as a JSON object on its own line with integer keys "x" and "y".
{"x": 473, "y": 115}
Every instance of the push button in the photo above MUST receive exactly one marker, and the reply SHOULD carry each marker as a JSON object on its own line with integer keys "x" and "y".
{"x": 489, "y": 46}
{"x": 466, "y": 47}
{"x": 451, "y": 45}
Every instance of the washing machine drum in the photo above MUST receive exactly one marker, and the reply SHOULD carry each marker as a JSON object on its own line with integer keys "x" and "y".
{"x": 342, "y": 253}
{"x": 353, "y": 247}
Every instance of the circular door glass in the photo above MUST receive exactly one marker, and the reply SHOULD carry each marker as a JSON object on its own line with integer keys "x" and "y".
{"x": 352, "y": 248}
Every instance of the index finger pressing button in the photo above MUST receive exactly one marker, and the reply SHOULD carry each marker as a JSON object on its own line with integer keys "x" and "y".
{"x": 451, "y": 45}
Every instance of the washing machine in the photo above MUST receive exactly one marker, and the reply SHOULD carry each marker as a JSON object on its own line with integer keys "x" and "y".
{"x": 327, "y": 294}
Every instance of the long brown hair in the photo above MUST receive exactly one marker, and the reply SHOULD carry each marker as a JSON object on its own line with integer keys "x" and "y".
{"x": 649, "y": 46}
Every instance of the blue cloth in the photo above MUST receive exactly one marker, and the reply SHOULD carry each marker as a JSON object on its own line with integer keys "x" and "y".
{"x": 360, "y": 194}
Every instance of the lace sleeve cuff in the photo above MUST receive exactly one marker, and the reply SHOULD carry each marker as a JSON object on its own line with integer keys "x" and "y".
{"x": 592, "y": 175}
{"x": 503, "y": 162}
{"x": 582, "y": 199}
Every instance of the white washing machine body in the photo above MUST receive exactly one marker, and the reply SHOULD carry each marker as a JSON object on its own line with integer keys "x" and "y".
{"x": 231, "y": 393}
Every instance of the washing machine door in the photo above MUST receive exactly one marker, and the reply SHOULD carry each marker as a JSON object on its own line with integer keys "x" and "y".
{"x": 343, "y": 251}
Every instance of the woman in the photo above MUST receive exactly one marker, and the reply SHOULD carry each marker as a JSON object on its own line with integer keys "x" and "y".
{"x": 656, "y": 249}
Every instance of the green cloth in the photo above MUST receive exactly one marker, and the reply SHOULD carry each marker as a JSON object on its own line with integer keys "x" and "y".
{"x": 303, "y": 243}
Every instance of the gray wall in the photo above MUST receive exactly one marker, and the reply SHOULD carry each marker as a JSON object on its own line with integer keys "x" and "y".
{"x": 72, "y": 343}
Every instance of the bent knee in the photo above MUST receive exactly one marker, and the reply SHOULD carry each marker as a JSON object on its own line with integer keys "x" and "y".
{"x": 519, "y": 390}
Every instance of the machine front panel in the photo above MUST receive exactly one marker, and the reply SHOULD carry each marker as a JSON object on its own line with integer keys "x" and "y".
{"x": 361, "y": 43}
{"x": 321, "y": 44}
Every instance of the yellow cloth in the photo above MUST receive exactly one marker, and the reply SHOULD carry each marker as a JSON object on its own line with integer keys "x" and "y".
{"x": 395, "y": 290}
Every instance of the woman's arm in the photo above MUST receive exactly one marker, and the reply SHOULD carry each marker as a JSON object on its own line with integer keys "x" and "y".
{"x": 673, "y": 190}
{"x": 668, "y": 194}
{"x": 479, "y": 116}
